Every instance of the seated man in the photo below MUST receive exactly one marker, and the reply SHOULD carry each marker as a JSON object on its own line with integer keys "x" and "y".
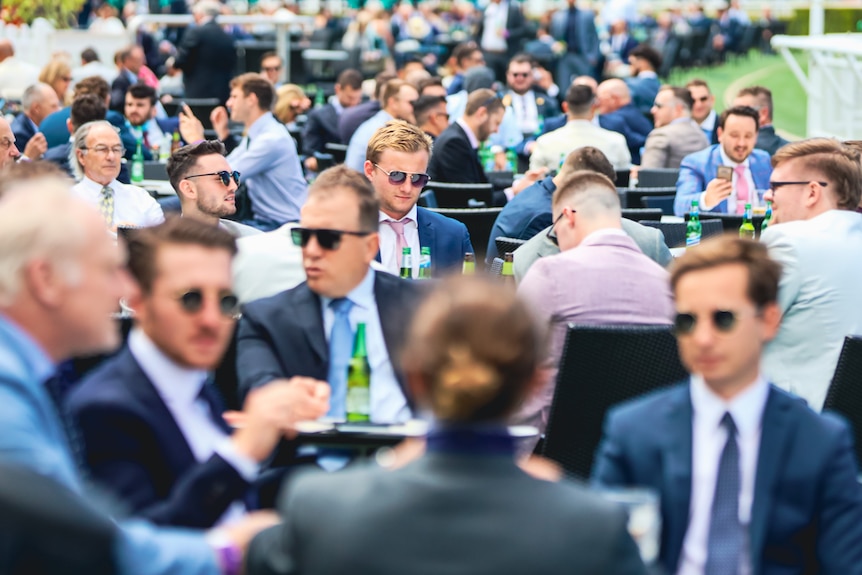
{"x": 431, "y": 115}
{"x": 98, "y": 153}
{"x": 39, "y": 101}
{"x": 760, "y": 99}
{"x": 150, "y": 421}
{"x": 398, "y": 155}
{"x": 322, "y": 125}
{"x": 750, "y": 479}
{"x": 676, "y": 135}
{"x": 698, "y": 173}
{"x": 140, "y": 112}
{"x": 85, "y": 108}
{"x": 619, "y": 113}
{"x": 308, "y": 330}
{"x": 703, "y": 111}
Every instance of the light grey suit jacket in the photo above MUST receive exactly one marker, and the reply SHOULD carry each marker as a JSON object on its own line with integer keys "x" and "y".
{"x": 267, "y": 264}
{"x": 666, "y": 146}
{"x": 649, "y": 240}
{"x": 819, "y": 298}
{"x": 444, "y": 513}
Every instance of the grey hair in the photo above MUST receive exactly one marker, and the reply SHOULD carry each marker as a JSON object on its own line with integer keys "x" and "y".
{"x": 33, "y": 94}
{"x": 207, "y": 8}
{"x": 80, "y": 143}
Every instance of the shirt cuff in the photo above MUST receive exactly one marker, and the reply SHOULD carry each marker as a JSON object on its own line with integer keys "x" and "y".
{"x": 245, "y": 466}
{"x": 510, "y": 193}
{"x": 553, "y": 91}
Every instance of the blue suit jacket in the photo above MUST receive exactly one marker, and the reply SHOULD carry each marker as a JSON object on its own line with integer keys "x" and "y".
{"x": 631, "y": 123}
{"x": 698, "y": 169}
{"x": 587, "y": 38}
{"x": 23, "y": 130}
{"x": 643, "y": 91}
{"x": 133, "y": 447}
{"x": 525, "y": 216}
{"x": 448, "y": 239}
{"x": 807, "y": 506}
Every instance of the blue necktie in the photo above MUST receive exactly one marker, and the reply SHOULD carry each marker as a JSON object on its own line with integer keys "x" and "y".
{"x": 726, "y": 535}
{"x": 340, "y": 351}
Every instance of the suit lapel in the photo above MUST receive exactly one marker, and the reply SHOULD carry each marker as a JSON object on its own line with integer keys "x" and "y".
{"x": 390, "y": 308}
{"x": 307, "y": 313}
{"x": 427, "y": 233}
{"x": 678, "y": 470}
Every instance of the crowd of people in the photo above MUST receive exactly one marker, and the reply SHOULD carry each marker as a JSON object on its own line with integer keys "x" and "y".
{"x": 265, "y": 259}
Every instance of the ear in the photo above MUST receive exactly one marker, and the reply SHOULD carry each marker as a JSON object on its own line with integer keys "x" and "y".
{"x": 771, "y": 321}
{"x": 69, "y": 125}
{"x": 187, "y": 189}
{"x": 47, "y": 284}
{"x": 368, "y": 168}
{"x": 813, "y": 194}
{"x": 372, "y": 246}
{"x": 719, "y": 131}
{"x": 565, "y": 107}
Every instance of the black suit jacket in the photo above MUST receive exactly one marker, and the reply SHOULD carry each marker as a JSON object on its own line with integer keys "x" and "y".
{"x": 769, "y": 141}
{"x": 282, "y": 336}
{"x": 454, "y": 159}
{"x": 23, "y": 130}
{"x": 321, "y": 129}
{"x": 133, "y": 446}
{"x": 119, "y": 87}
{"x": 516, "y": 25}
{"x": 207, "y": 57}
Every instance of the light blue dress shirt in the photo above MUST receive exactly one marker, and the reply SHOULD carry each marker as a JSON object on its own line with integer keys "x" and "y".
{"x": 32, "y": 435}
{"x": 355, "y": 157}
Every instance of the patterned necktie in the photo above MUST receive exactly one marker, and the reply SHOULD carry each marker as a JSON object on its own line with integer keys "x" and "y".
{"x": 742, "y": 194}
{"x": 726, "y": 540}
{"x": 340, "y": 351}
{"x": 106, "y": 205}
{"x": 400, "y": 240}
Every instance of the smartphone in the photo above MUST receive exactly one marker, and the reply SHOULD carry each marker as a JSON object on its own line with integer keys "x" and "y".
{"x": 724, "y": 173}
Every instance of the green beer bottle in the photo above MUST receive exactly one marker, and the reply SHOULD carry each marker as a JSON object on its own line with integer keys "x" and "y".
{"x": 693, "y": 229}
{"x": 469, "y": 264}
{"x": 746, "y": 230}
{"x": 508, "y": 272}
{"x": 137, "y": 173}
{"x": 767, "y": 217}
{"x": 406, "y": 264}
{"x": 319, "y": 98}
{"x": 424, "y": 263}
{"x": 358, "y": 400}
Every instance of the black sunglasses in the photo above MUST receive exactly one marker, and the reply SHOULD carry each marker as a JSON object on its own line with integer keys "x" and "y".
{"x": 327, "y": 239}
{"x": 723, "y": 320}
{"x": 193, "y": 300}
{"x": 775, "y": 185}
{"x": 397, "y": 177}
{"x": 224, "y": 175}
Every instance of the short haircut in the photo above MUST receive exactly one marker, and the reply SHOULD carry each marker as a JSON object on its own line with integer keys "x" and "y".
{"x": 681, "y": 96}
{"x": 93, "y": 85}
{"x": 144, "y": 244}
{"x": 341, "y": 176}
{"x": 521, "y": 59}
{"x": 350, "y": 78}
{"x": 426, "y": 82}
{"x": 15, "y": 174}
{"x": 830, "y": 160}
{"x": 698, "y": 83}
{"x": 580, "y": 99}
{"x": 761, "y": 94}
{"x": 463, "y": 51}
{"x": 252, "y": 83}
{"x": 79, "y": 142}
{"x": 739, "y": 111}
{"x": 184, "y": 159}
{"x": 89, "y": 55}
{"x": 763, "y": 272}
{"x": 380, "y": 81}
{"x": 483, "y": 98}
{"x": 592, "y": 193}
{"x": 87, "y": 108}
{"x": 399, "y": 136}
{"x": 270, "y": 54}
{"x": 391, "y": 90}
{"x": 143, "y": 91}
{"x": 648, "y": 53}
{"x": 423, "y": 107}
{"x": 590, "y": 159}
{"x": 34, "y": 94}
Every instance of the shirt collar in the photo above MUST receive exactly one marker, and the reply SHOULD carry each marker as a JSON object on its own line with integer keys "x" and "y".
{"x": 746, "y": 408}
{"x": 336, "y": 104}
{"x": 647, "y": 74}
{"x": 176, "y": 384}
{"x": 709, "y": 122}
{"x": 27, "y": 349}
{"x": 411, "y": 214}
{"x": 260, "y": 125}
{"x": 474, "y": 141}
{"x": 362, "y": 295}
{"x": 96, "y": 188}
{"x": 725, "y": 159}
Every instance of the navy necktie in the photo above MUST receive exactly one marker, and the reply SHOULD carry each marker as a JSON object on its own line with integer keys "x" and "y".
{"x": 210, "y": 394}
{"x": 340, "y": 350}
{"x": 726, "y": 535}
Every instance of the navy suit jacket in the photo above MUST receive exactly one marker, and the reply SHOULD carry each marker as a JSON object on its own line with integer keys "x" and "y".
{"x": 525, "y": 216}
{"x": 23, "y": 130}
{"x": 454, "y": 159}
{"x": 282, "y": 336}
{"x": 321, "y": 129}
{"x": 807, "y": 507}
{"x": 644, "y": 91}
{"x": 631, "y": 123}
{"x": 133, "y": 446}
{"x": 448, "y": 239}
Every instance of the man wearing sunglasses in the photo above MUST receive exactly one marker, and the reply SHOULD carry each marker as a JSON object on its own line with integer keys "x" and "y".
{"x": 815, "y": 188}
{"x": 702, "y": 111}
{"x": 150, "y": 418}
{"x": 398, "y": 156}
{"x": 309, "y": 330}
{"x": 750, "y": 479}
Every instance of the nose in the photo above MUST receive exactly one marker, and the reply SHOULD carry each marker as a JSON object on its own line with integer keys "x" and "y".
{"x": 704, "y": 332}
{"x": 768, "y": 195}
{"x": 210, "y": 314}
{"x": 312, "y": 249}
{"x": 406, "y": 185}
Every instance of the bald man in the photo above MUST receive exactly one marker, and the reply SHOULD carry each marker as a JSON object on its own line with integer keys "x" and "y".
{"x": 8, "y": 152}
{"x": 15, "y": 75}
{"x": 619, "y": 114}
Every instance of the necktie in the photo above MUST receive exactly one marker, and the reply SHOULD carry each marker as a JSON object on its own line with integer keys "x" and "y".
{"x": 146, "y": 140}
{"x": 57, "y": 389}
{"x": 572, "y": 31}
{"x": 400, "y": 239}
{"x": 340, "y": 351}
{"x": 742, "y": 194}
{"x": 106, "y": 205}
{"x": 726, "y": 540}
{"x": 215, "y": 406}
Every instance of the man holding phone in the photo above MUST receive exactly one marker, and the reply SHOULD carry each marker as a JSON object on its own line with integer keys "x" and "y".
{"x": 725, "y": 176}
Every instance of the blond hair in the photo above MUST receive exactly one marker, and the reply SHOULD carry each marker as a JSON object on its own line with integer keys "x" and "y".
{"x": 400, "y": 136}
{"x": 831, "y": 160}
{"x": 54, "y": 70}
{"x": 286, "y": 95}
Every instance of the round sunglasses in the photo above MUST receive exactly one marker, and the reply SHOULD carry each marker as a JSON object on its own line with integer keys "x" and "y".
{"x": 326, "y": 239}
{"x": 723, "y": 320}
{"x": 224, "y": 175}
{"x": 397, "y": 177}
{"x": 193, "y": 300}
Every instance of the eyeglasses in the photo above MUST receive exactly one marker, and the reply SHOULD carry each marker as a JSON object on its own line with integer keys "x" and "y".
{"x": 193, "y": 300}
{"x": 326, "y": 239}
{"x": 397, "y": 177}
{"x": 443, "y": 114}
{"x": 224, "y": 175}
{"x": 271, "y": 68}
{"x": 775, "y": 185}
{"x": 552, "y": 235}
{"x": 701, "y": 99}
{"x": 659, "y": 105}
{"x": 723, "y": 320}
{"x": 520, "y": 74}
{"x": 103, "y": 150}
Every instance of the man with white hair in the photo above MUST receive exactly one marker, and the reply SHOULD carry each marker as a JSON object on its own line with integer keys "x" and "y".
{"x": 38, "y": 102}
{"x": 8, "y": 152}
{"x": 206, "y": 55}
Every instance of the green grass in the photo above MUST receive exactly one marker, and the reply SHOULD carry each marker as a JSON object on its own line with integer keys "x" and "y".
{"x": 789, "y": 99}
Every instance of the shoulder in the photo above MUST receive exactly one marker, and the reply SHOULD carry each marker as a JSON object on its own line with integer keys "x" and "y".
{"x": 641, "y": 412}
{"x": 761, "y": 157}
{"x": 700, "y": 158}
{"x": 423, "y": 215}
{"x": 262, "y": 309}
{"x": 819, "y": 428}
{"x": 109, "y": 385}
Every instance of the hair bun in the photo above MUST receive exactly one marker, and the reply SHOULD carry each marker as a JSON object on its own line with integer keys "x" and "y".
{"x": 464, "y": 384}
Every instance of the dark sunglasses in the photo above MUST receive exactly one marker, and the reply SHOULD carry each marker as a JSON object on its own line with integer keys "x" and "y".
{"x": 775, "y": 185}
{"x": 193, "y": 300}
{"x": 224, "y": 175}
{"x": 397, "y": 177}
{"x": 327, "y": 239}
{"x": 723, "y": 320}
{"x": 701, "y": 99}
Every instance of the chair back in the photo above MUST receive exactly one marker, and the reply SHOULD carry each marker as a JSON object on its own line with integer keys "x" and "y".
{"x": 633, "y": 197}
{"x": 623, "y": 178}
{"x": 845, "y": 392}
{"x": 155, "y": 171}
{"x": 338, "y": 151}
{"x": 663, "y": 203}
{"x": 603, "y": 366}
{"x": 324, "y": 161}
{"x": 200, "y": 107}
{"x": 658, "y": 177}
{"x": 451, "y": 195}
{"x": 479, "y": 222}
{"x": 674, "y": 232}
{"x": 731, "y": 222}
{"x": 500, "y": 180}
{"x": 505, "y": 245}
{"x": 427, "y": 199}
{"x": 225, "y": 376}
{"x": 638, "y": 214}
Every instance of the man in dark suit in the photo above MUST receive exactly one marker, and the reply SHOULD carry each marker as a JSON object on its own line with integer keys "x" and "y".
{"x": 456, "y": 151}
{"x": 577, "y": 28}
{"x": 309, "y": 330}
{"x": 500, "y": 33}
{"x": 206, "y": 55}
{"x": 643, "y": 83}
{"x": 760, "y": 99}
{"x": 39, "y": 101}
{"x": 351, "y": 119}
{"x": 750, "y": 479}
{"x": 131, "y": 59}
{"x": 322, "y": 125}
{"x": 140, "y": 112}
{"x": 618, "y": 109}
{"x": 398, "y": 156}
{"x": 150, "y": 421}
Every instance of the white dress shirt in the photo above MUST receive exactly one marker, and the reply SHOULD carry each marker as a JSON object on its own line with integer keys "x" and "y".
{"x": 389, "y": 257}
{"x": 495, "y": 19}
{"x": 180, "y": 387}
{"x": 708, "y": 439}
{"x": 133, "y": 206}
{"x": 731, "y": 199}
{"x": 388, "y": 404}
{"x": 526, "y": 111}
{"x": 708, "y": 124}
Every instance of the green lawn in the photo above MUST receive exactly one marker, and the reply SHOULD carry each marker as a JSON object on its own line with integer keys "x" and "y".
{"x": 772, "y": 71}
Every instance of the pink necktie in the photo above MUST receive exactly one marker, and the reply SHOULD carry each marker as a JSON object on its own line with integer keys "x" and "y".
{"x": 401, "y": 239}
{"x": 741, "y": 188}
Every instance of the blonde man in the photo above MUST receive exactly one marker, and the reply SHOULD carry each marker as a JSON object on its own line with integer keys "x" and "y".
{"x": 396, "y": 163}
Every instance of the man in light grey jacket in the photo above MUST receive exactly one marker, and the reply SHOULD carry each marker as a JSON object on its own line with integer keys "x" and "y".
{"x": 675, "y": 135}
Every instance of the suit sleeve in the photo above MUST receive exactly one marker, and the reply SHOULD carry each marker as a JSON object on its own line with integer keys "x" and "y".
{"x": 609, "y": 468}
{"x": 449, "y": 163}
{"x": 187, "y": 54}
{"x": 688, "y": 187}
{"x": 656, "y": 151}
{"x": 256, "y": 361}
{"x": 312, "y": 136}
{"x": 782, "y": 250}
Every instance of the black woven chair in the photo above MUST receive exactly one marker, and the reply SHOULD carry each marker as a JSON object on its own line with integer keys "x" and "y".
{"x": 155, "y": 171}
{"x": 658, "y": 177}
{"x": 500, "y": 180}
{"x": 663, "y": 203}
{"x": 454, "y": 195}
{"x": 479, "y": 222}
{"x": 639, "y": 214}
{"x": 731, "y": 222}
{"x": 623, "y": 178}
{"x": 845, "y": 392}
{"x": 633, "y": 197}
{"x": 200, "y": 107}
{"x": 427, "y": 199}
{"x": 338, "y": 151}
{"x": 496, "y": 267}
{"x": 674, "y": 233}
{"x": 505, "y": 245}
{"x": 601, "y": 367}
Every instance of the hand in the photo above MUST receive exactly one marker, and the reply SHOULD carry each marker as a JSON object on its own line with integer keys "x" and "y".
{"x": 716, "y": 192}
{"x": 191, "y": 128}
{"x": 530, "y": 177}
{"x": 311, "y": 163}
{"x": 219, "y": 118}
{"x": 36, "y": 147}
{"x": 541, "y": 468}
{"x": 545, "y": 80}
{"x": 243, "y": 531}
